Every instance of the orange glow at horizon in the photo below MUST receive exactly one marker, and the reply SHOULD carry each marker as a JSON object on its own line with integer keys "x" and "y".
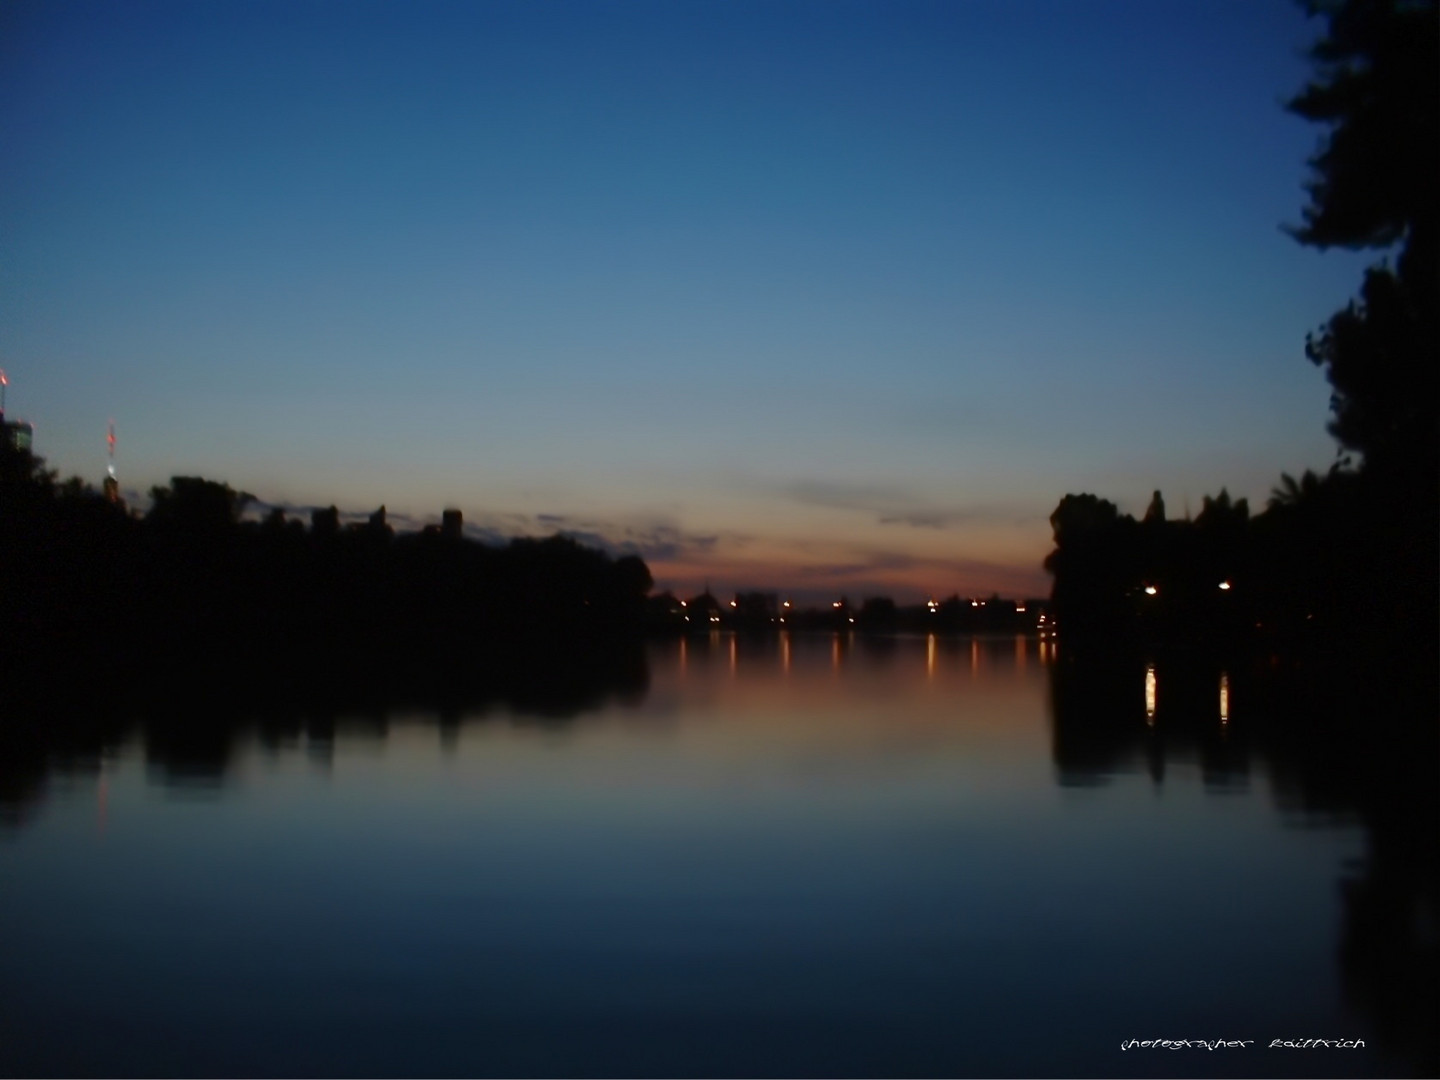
{"x": 910, "y": 569}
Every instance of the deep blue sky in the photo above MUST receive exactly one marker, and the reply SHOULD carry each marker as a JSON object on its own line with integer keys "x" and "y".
{"x": 816, "y": 295}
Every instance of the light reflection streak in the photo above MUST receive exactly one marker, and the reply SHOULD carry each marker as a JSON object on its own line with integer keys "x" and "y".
{"x": 1224, "y": 698}
{"x": 684, "y": 656}
{"x": 1150, "y": 694}
{"x": 930, "y": 655}
{"x": 785, "y": 652}
{"x": 734, "y": 657}
{"x": 974, "y": 657}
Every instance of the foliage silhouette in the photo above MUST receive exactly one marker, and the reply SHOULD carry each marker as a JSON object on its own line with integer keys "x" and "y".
{"x": 1373, "y": 186}
{"x": 1354, "y": 552}
{"x": 191, "y": 600}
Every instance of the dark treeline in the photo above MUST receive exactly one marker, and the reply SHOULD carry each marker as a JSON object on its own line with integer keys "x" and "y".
{"x": 1330, "y": 558}
{"x": 1350, "y": 556}
{"x": 100, "y": 604}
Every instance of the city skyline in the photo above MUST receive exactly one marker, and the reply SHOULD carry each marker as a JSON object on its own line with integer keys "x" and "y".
{"x": 836, "y": 298}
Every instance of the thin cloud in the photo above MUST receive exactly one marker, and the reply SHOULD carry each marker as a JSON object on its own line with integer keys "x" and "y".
{"x": 894, "y": 504}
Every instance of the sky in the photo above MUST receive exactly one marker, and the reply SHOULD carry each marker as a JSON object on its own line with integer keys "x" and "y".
{"x": 825, "y": 297}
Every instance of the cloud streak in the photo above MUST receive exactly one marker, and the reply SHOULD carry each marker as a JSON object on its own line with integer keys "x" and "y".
{"x": 894, "y": 504}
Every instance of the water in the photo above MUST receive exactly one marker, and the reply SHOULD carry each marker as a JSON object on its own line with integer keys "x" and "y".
{"x": 785, "y": 857}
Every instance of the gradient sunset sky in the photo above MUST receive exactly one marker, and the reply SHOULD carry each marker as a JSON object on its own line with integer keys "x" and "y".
{"x": 824, "y": 297}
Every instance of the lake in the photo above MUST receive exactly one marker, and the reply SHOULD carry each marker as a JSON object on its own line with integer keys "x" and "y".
{"x": 803, "y": 855}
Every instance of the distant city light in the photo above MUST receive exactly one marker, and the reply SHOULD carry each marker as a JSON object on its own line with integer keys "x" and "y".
{"x": 1019, "y": 609}
{"x": 732, "y": 603}
{"x": 835, "y": 604}
{"x": 1225, "y": 585}
{"x": 1150, "y": 590}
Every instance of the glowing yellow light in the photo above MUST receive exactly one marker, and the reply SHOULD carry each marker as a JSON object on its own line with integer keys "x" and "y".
{"x": 682, "y": 603}
{"x": 1019, "y": 609}
{"x": 1150, "y": 590}
{"x": 974, "y": 603}
{"x": 787, "y": 603}
{"x": 835, "y": 604}
{"x": 1225, "y": 585}
{"x": 1150, "y": 694}
{"x": 1224, "y": 698}
{"x": 732, "y": 603}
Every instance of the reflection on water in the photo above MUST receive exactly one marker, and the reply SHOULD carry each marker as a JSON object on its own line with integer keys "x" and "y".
{"x": 789, "y": 854}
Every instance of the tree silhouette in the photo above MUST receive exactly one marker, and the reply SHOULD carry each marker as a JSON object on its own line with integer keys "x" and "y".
{"x": 1350, "y": 557}
{"x": 195, "y": 505}
{"x": 1377, "y": 72}
{"x": 1155, "y": 512}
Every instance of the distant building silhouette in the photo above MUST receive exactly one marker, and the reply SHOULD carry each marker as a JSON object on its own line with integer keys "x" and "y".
{"x": 452, "y": 524}
{"x": 703, "y": 611}
{"x": 758, "y": 608}
{"x": 374, "y": 527}
{"x": 112, "y": 483}
{"x": 18, "y": 434}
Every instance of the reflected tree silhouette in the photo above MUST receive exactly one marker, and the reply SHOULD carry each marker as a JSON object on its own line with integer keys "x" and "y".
{"x": 1337, "y": 744}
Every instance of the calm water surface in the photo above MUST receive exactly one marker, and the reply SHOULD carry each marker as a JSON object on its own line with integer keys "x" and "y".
{"x": 807, "y": 856}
